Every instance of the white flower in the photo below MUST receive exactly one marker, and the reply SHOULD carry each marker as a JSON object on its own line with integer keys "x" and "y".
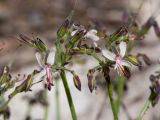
{"x": 46, "y": 68}
{"x": 92, "y": 34}
{"x": 118, "y": 58}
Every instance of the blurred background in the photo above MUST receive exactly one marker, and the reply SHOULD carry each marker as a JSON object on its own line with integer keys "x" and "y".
{"x": 42, "y": 18}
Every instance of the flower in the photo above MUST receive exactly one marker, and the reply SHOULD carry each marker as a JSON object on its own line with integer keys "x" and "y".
{"x": 46, "y": 68}
{"x": 118, "y": 57}
{"x": 91, "y": 34}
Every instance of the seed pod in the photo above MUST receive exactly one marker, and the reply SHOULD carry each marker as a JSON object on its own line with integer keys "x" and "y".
{"x": 76, "y": 81}
{"x": 91, "y": 80}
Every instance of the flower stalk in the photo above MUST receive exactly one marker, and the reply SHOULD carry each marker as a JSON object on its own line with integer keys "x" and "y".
{"x": 68, "y": 94}
{"x": 112, "y": 101}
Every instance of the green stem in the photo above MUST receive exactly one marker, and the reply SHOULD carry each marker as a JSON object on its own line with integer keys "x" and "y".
{"x": 46, "y": 107}
{"x": 121, "y": 81}
{"x": 69, "y": 97}
{"x": 57, "y": 100}
{"x": 144, "y": 109}
{"x": 110, "y": 92}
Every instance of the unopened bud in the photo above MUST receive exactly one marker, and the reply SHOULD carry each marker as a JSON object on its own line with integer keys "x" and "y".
{"x": 76, "y": 81}
{"x": 91, "y": 80}
{"x": 146, "y": 59}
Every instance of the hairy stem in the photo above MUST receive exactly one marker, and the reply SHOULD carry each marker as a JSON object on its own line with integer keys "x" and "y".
{"x": 69, "y": 97}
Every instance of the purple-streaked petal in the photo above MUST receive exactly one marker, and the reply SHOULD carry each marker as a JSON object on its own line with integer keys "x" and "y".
{"x": 109, "y": 55}
{"x": 39, "y": 59}
{"x": 122, "y": 48}
{"x": 39, "y": 75}
{"x": 51, "y": 57}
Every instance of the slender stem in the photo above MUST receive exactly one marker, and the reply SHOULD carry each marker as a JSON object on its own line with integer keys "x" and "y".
{"x": 120, "y": 92}
{"x": 57, "y": 100}
{"x": 110, "y": 92}
{"x": 69, "y": 97}
{"x": 144, "y": 109}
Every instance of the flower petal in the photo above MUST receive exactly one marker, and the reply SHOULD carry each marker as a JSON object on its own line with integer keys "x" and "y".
{"x": 92, "y": 35}
{"x": 126, "y": 63}
{"x": 39, "y": 59}
{"x": 111, "y": 56}
{"x": 39, "y": 75}
{"x": 122, "y": 48}
{"x": 51, "y": 57}
{"x": 73, "y": 32}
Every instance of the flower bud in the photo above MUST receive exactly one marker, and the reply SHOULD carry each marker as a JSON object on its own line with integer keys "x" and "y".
{"x": 146, "y": 59}
{"x": 76, "y": 81}
{"x": 91, "y": 80}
